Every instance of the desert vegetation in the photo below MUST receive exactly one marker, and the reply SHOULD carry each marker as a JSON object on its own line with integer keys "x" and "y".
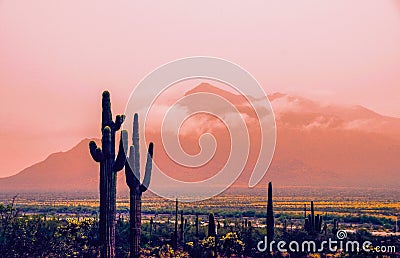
{"x": 73, "y": 231}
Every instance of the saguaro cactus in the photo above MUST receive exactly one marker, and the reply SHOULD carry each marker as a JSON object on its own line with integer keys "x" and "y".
{"x": 151, "y": 227}
{"x": 132, "y": 173}
{"x": 270, "y": 217}
{"x": 313, "y": 223}
{"x": 312, "y": 218}
{"x": 182, "y": 226}
{"x": 109, "y": 166}
{"x": 211, "y": 225}
{"x": 175, "y": 240}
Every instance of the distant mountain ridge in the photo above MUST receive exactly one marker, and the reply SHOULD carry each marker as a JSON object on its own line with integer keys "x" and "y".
{"x": 317, "y": 145}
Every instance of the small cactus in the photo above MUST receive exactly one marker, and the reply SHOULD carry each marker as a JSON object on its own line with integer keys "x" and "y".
{"x": 211, "y": 225}
{"x": 313, "y": 223}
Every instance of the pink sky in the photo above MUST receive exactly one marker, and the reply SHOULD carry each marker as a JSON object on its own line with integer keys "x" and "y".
{"x": 57, "y": 56}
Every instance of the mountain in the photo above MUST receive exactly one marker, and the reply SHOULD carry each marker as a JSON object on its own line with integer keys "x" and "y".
{"x": 72, "y": 170}
{"x": 328, "y": 145}
{"x": 317, "y": 145}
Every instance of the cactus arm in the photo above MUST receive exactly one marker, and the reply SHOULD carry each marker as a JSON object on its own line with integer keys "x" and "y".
{"x": 106, "y": 141}
{"x": 129, "y": 176}
{"x": 149, "y": 166}
{"x": 96, "y": 152}
{"x": 135, "y": 141}
{"x": 121, "y": 157}
{"x": 119, "y": 120}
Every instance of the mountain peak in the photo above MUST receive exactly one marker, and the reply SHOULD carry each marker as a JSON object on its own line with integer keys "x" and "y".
{"x": 207, "y": 87}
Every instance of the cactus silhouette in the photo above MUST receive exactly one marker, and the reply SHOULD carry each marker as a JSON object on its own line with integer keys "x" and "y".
{"x": 109, "y": 166}
{"x": 151, "y": 228}
{"x": 211, "y": 225}
{"x": 181, "y": 236}
{"x": 175, "y": 240}
{"x": 136, "y": 189}
{"x": 313, "y": 223}
{"x": 270, "y": 216}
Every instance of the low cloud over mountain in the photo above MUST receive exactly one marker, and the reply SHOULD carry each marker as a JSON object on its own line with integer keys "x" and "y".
{"x": 317, "y": 145}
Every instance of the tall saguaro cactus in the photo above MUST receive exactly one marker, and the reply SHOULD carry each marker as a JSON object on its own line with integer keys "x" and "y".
{"x": 182, "y": 227}
{"x": 270, "y": 217}
{"x": 312, "y": 222}
{"x": 175, "y": 240}
{"x": 109, "y": 166}
{"x": 132, "y": 173}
